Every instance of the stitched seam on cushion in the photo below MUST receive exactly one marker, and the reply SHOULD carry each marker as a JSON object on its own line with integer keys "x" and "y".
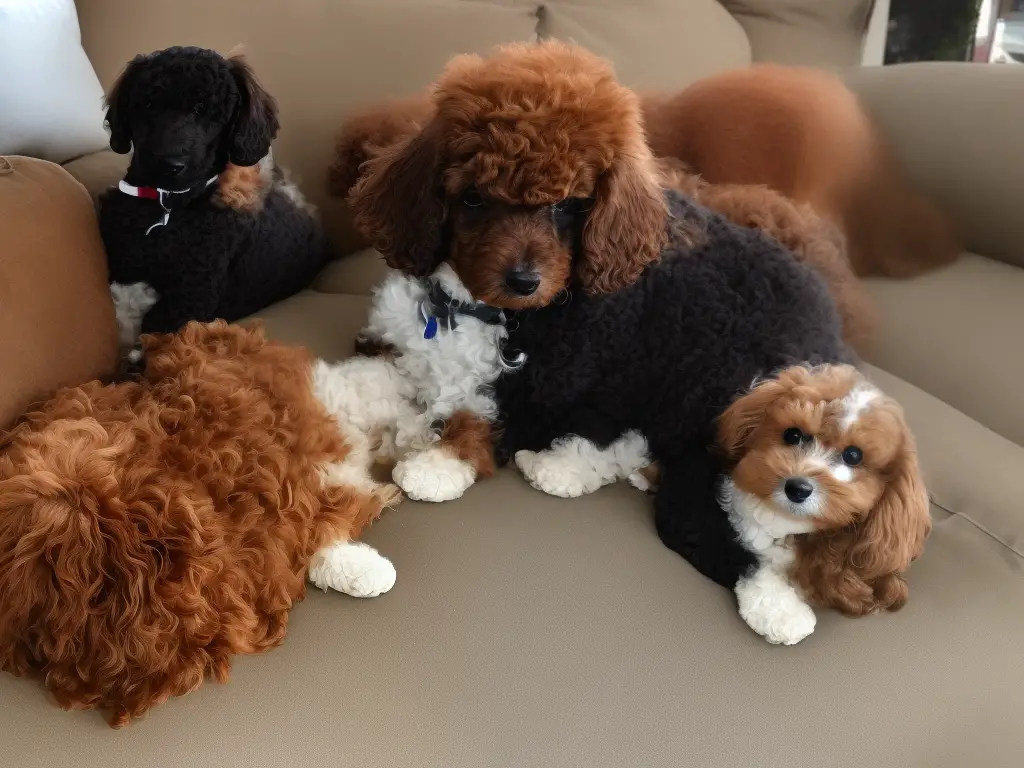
{"x": 981, "y": 528}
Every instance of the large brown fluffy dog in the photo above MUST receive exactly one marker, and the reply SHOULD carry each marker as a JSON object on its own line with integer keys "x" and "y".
{"x": 803, "y": 133}
{"x": 628, "y": 212}
{"x": 150, "y": 529}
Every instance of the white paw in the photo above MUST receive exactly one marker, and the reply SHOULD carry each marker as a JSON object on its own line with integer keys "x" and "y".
{"x": 353, "y": 568}
{"x": 774, "y": 609}
{"x": 557, "y": 474}
{"x": 433, "y": 475}
{"x": 640, "y": 482}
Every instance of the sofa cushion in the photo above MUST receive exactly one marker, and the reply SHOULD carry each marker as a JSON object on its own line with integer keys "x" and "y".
{"x": 526, "y": 630}
{"x": 529, "y": 631}
{"x": 56, "y": 318}
{"x": 970, "y": 471}
{"x": 357, "y": 274}
{"x": 52, "y": 101}
{"x": 957, "y": 127}
{"x": 653, "y": 43}
{"x": 319, "y": 60}
{"x": 956, "y": 334}
{"x": 817, "y": 33}
{"x": 98, "y": 171}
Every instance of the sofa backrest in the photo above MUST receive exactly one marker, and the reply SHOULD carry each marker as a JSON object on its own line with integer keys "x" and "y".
{"x": 322, "y": 58}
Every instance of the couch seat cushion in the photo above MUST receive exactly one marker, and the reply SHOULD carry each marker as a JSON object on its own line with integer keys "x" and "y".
{"x": 956, "y": 333}
{"x": 528, "y": 631}
{"x": 357, "y": 273}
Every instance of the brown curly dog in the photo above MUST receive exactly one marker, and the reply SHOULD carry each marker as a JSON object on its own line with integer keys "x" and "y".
{"x": 149, "y": 529}
{"x": 564, "y": 155}
{"x": 802, "y": 132}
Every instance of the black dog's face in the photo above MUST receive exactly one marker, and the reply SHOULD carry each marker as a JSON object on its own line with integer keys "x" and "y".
{"x": 184, "y": 113}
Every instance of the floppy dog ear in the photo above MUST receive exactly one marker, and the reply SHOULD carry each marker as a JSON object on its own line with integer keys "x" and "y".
{"x": 859, "y": 569}
{"x": 118, "y": 103}
{"x": 737, "y": 424}
{"x": 626, "y": 228}
{"x": 256, "y": 124}
{"x": 399, "y": 205}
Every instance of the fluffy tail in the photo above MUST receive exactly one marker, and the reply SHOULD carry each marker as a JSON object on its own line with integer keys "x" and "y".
{"x": 892, "y": 229}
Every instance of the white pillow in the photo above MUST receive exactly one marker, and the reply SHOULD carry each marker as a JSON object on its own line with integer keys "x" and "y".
{"x": 51, "y": 102}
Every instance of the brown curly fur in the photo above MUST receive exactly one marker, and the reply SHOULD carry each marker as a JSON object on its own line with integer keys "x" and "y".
{"x": 803, "y": 133}
{"x": 812, "y": 238}
{"x": 152, "y": 528}
{"x": 367, "y": 132}
{"x": 525, "y": 129}
{"x": 242, "y": 187}
{"x": 873, "y": 526}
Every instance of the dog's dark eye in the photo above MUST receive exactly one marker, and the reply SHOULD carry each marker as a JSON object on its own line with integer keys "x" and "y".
{"x": 199, "y": 108}
{"x": 472, "y": 199}
{"x": 852, "y": 456}
{"x": 794, "y": 436}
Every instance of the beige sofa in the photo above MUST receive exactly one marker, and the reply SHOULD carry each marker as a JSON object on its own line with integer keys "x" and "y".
{"x": 530, "y": 631}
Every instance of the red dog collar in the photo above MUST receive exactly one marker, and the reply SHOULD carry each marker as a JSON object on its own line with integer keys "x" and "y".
{"x": 166, "y": 197}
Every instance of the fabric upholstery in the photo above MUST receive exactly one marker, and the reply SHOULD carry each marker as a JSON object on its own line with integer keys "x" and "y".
{"x": 957, "y": 334}
{"x": 821, "y": 33}
{"x": 98, "y": 171}
{"x": 654, "y": 43}
{"x": 356, "y": 274}
{"x": 957, "y": 128}
{"x": 56, "y": 318}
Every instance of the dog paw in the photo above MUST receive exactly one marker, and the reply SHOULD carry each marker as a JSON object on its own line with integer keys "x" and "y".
{"x": 639, "y": 482}
{"x": 773, "y": 608}
{"x": 353, "y": 568}
{"x": 558, "y": 475}
{"x": 433, "y": 475}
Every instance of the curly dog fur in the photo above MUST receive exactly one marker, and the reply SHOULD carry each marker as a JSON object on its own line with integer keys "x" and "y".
{"x": 641, "y": 315}
{"x": 151, "y": 529}
{"x": 811, "y": 237}
{"x": 225, "y": 250}
{"x": 803, "y": 133}
{"x": 380, "y": 131}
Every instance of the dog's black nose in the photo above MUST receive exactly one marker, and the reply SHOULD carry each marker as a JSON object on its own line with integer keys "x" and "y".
{"x": 522, "y": 281}
{"x": 798, "y": 489}
{"x": 172, "y": 166}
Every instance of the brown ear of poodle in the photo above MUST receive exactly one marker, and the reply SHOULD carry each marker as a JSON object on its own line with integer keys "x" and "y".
{"x": 803, "y": 133}
{"x": 151, "y": 529}
{"x": 812, "y": 239}
{"x": 370, "y": 130}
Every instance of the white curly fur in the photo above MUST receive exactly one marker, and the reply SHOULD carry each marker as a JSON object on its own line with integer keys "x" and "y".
{"x": 450, "y": 372}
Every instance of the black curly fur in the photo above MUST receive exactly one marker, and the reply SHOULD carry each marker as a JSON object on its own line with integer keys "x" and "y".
{"x": 665, "y": 357}
{"x": 193, "y": 107}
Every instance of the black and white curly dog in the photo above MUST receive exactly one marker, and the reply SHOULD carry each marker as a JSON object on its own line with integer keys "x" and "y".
{"x": 203, "y": 218}
{"x": 639, "y": 318}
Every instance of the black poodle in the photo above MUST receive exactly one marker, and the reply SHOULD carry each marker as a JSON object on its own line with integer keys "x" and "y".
{"x": 202, "y": 216}
{"x": 661, "y": 359}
